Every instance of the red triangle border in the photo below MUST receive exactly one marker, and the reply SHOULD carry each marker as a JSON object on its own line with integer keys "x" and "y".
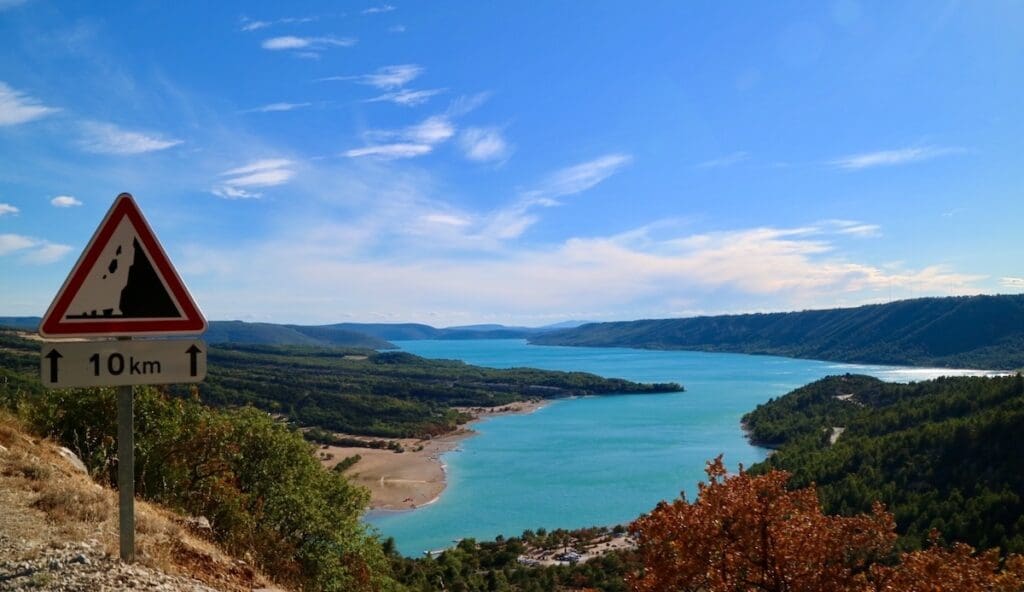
{"x": 53, "y": 323}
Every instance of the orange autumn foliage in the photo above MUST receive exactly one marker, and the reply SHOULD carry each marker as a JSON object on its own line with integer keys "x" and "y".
{"x": 750, "y": 534}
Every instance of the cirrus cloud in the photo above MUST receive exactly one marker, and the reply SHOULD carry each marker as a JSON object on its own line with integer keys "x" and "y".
{"x": 384, "y": 78}
{"x": 277, "y": 107}
{"x": 379, "y": 9}
{"x": 33, "y": 250}
{"x": 311, "y": 46}
{"x": 390, "y": 151}
{"x": 17, "y": 107}
{"x": 239, "y": 181}
{"x": 484, "y": 144}
{"x": 884, "y": 158}
{"x": 407, "y": 98}
{"x": 107, "y": 138}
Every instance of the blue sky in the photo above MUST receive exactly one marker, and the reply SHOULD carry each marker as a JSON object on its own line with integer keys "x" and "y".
{"x": 463, "y": 162}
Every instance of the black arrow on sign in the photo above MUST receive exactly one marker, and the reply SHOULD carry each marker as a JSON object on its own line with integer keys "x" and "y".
{"x": 53, "y": 356}
{"x": 193, "y": 352}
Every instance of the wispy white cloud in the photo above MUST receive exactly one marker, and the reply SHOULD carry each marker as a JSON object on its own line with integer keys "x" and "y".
{"x": 384, "y": 78}
{"x": 32, "y": 250}
{"x": 17, "y": 107}
{"x": 267, "y": 178}
{"x": 512, "y": 221}
{"x": 107, "y": 138}
{"x": 1014, "y": 283}
{"x": 415, "y": 252}
{"x": 390, "y": 151}
{"x": 432, "y": 130}
{"x": 791, "y": 267}
{"x": 229, "y": 192}
{"x": 408, "y": 98}
{"x": 465, "y": 104}
{"x": 396, "y": 29}
{"x": 265, "y": 164}
{"x": 724, "y": 161}
{"x": 410, "y": 142}
{"x": 255, "y": 25}
{"x": 268, "y": 172}
{"x": 379, "y": 9}
{"x": 581, "y": 177}
{"x": 5, "y": 4}
{"x": 65, "y": 201}
{"x": 14, "y": 242}
{"x": 899, "y": 156}
{"x": 277, "y": 107}
{"x": 447, "y": 219}
{"x": 47, "y": 253}
{"x": 310, "y": 46}
{"x": 852, "y": 228}
{"x": 251, "y": 25}
{"x": 484, "y": 144}
{"x": 393, "y": 79}
{"x": 7, "y": 209}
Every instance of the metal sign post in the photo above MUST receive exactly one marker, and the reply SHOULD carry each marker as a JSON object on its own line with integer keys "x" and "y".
{"x": 126, "y": 471}
{"x": 123, "y": 285}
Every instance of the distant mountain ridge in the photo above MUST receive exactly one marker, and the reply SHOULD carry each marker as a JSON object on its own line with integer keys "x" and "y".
{"x": 23, "y": 323}
{"x": 241, "y": 332}
{"x": 415, "y": 331}
{"x": 271, "y": 334}
{"x": 371, "y": 335}
{"x": 965, "y": 331}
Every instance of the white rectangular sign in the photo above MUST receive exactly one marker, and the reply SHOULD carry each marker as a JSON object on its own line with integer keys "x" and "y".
{"x": 120, "y": 363}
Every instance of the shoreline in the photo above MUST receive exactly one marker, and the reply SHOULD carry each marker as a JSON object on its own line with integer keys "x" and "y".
{"x": 402, "y": 481}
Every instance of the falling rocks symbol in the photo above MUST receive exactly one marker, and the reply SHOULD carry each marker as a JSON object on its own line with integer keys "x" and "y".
{"x": 144, "y": 296}
{"x": 123, "y": 285}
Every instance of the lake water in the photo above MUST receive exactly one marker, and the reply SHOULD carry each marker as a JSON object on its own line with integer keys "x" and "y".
{"x": 600, "y": 460}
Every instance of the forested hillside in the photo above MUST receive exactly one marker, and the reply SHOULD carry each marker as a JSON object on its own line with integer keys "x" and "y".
{"x": 388, "y": 394}
{"x": 943, "y": 454}
{"x": 272, "y": 334}
{"x": 967, "y": 332}
{"x": 357, "y": 391}
{"x": 375, "y": 335}
{"x": 412, "y": 331}
{"x": 256, "y": 333}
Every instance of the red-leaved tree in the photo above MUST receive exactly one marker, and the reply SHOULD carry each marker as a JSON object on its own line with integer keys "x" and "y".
{"x": 750, "y": 534}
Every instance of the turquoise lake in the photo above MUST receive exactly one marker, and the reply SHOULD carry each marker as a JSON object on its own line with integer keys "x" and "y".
{"x": 600, "y": 460}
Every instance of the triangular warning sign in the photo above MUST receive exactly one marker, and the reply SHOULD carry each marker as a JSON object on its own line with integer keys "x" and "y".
{"x": 122, "y": 285}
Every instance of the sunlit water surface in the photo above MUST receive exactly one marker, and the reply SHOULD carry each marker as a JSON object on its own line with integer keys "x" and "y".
{"x": 600, "y": 460}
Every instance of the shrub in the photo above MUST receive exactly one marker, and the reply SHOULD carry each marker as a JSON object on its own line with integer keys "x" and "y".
{"x": 256, "y": 480}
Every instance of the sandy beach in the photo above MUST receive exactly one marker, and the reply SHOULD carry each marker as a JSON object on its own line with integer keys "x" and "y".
{"x": 414, "y": 478}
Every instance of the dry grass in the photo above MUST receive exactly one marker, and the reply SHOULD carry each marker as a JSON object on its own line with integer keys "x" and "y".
{"x": 25, "y": 467}
{"x": 47, "y": 502}
{"x": 73, "y": 504}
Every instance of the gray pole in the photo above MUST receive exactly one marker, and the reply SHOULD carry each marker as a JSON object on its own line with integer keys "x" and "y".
{"x": 126, "y": 471}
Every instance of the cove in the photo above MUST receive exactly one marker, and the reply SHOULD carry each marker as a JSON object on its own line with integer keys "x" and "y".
{"x": 600, "y": 460}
